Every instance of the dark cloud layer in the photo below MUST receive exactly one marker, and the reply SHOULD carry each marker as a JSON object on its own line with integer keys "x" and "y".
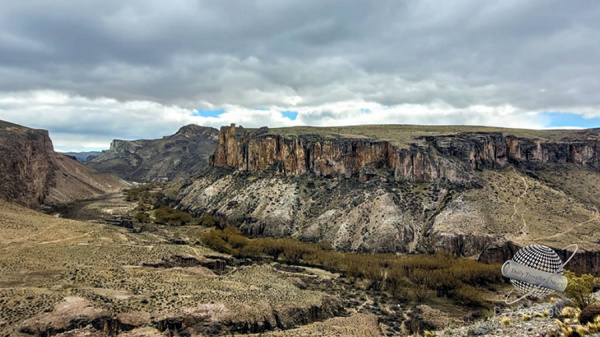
{"x": 185, "y": 51}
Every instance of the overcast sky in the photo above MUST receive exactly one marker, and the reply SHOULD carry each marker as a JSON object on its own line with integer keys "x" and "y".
{"x": 90, "y": 71}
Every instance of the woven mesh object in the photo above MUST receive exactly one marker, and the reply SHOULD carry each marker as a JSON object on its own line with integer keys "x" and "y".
{"x": 541, "y": 258}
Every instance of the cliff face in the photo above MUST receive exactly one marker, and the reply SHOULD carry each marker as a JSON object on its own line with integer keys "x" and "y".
{"x": 26, "y": 163}
{"x": 173, "y": 157}
{"x": 33, "y": 174}
{"x": 456, "y": 191}
{"x": 257, "y": 151}
{"x": 429, "y": 158}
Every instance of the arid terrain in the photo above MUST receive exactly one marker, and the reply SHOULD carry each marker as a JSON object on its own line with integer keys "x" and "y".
{"x": 34, "y": 175}
{"x": 467, "y": 190}
{"x": 288, "y": 233}
{"x": 129, "y": 279}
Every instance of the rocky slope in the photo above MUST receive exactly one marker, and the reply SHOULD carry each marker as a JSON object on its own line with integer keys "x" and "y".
{"x": 33, "y": 174}
{"x": 179, "y": 156}
{"x": 444, "y": 188}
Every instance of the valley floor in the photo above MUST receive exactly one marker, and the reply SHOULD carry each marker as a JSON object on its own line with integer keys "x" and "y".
{"x": 48, "y": 263}
{"x": 85, "y": 277}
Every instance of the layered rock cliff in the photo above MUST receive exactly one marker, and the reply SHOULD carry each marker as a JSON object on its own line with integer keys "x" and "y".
{"x": 455, "y": 189}
{"x": 178, "y": 156}
{"x": 427, "y": 158}
{"x": 33, "y": 174}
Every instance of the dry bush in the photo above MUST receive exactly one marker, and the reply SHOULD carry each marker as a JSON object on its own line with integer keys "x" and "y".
{"x": 467, "y": 295}
{"x": 452, "y": 277}
{"x": 589, "y": 314}
{"x": 422, "y": 294}
{"x": 580, "y": 288}
{"x": 170, "y": 216}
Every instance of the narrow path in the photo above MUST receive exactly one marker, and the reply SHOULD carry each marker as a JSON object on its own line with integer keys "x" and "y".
{"x": 66, "y": 239}
{"x": 571, "y": 228}
{"x": 525, "y": 228}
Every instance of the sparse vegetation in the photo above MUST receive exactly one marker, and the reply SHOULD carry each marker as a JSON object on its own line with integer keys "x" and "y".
{"x": 405, "y": 134}
{"x": 422, "y": 274}
{"x": 143, "y": 193}
{"x": 580, "y": 288}
{"x": 150, "y": 208}
{"x": 169, "y": 216}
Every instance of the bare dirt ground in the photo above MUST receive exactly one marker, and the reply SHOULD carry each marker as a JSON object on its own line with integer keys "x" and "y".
{"x": 105, "y": 207}
{"x": 46, "y": 259}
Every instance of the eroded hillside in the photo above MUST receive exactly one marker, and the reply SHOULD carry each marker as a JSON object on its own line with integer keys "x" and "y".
{"x": 178, "y": 156}
{"x": 462, "y": 191}
{"x": 33, "y": 174}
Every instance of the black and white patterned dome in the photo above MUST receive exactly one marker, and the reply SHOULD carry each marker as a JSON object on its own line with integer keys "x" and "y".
{"x": 539, "y": 257}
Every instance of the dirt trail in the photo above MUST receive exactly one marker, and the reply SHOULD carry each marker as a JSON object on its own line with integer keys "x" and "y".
{"x": 571, "y": 228}
{"x": 67, "y": 239}
{"x": 27, "y": 238}
{"x": 525, "y": 228}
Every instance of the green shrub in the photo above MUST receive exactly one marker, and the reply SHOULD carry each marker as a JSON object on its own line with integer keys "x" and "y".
{"x": 169, "y": 216}
{"x": 467, "y": 295}
{"x": 142, "y": 193}
{"x": 141, "y": 217}
{"x": 214, "y": 240}
{"x": 210, "y": 221}
{"x": 579, "y": 288}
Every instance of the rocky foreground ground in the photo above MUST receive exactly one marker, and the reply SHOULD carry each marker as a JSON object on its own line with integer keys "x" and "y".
{"x": 57, "y": 275}
{"x": 99, "y": 276}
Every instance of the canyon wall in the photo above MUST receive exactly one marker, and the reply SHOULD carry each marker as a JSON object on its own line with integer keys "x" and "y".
{"x": 428, "y": 158}
{"x": 443, "y": 192}
{"x": 26, "y": 163}
{"x": 33, "y": 174}
{"x": 178, "y": 156}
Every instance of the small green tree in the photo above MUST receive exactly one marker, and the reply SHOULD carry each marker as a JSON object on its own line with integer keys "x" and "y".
{"x": 141, "y": 217}
{"x": 580, "y": 288}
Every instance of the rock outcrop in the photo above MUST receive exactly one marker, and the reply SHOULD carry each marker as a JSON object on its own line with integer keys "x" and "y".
{"x": 428, "y": 158}
{"x": 179, "y": 156}
{"x": 457, "y": 189}
{"x": 70, "y": 314}
{"x": 33, "y": 174}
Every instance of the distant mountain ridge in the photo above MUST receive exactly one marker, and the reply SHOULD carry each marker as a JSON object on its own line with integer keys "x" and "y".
{"x": 178, "y": 156}
{"x": 34, "y": 175}
{"x": 83, "y": 157}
